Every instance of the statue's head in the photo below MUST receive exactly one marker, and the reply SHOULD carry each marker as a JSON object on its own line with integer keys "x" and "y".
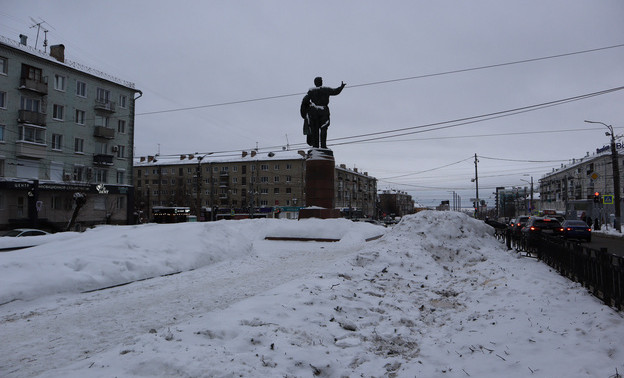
{"x": 318, "y": 81}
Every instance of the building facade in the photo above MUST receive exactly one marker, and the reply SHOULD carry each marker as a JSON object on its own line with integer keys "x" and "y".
{"x": 394, "y": 203}
{"x": 355, "y": 192}
{"x": 572, "y": 187}
{"x": 64, "y": 129}
{"x": 250, "y": 185}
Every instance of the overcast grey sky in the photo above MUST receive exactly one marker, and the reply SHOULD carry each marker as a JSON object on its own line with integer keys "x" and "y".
{"x": 396, "y": 58}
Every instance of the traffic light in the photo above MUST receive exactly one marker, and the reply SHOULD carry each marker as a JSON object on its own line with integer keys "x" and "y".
{"x": 596, "y": 197}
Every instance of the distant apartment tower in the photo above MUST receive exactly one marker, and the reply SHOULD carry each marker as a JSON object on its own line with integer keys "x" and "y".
{"x": 64, "y": 129}
{"x": 252, "y": 184}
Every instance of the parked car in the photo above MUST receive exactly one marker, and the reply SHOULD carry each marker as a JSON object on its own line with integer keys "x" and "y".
{"x": 19, "y": 232}
{"x": 576, "y": 229}
{"x": 519, "y": 223}
{"x": 537, "y": 226}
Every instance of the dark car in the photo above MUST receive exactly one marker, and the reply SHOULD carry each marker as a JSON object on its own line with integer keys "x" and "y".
{"x": 576, "y": 229}
{"x": 538, "y": 226}
{"x": 518, "y": 224}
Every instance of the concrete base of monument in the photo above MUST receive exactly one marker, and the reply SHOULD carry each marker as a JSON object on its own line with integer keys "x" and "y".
{"x": 318, "y": 212}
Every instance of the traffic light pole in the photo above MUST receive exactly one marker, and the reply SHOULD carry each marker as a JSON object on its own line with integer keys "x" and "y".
{"x": 616, "y": 174}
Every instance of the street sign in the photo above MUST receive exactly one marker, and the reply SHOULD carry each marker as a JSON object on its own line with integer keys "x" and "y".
{"x": 607, "y": 199}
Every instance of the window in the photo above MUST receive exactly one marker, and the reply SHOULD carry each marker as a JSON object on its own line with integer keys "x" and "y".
{"x": 1, "y": 167}
{"x": 288, "y": 166}
{"x": 120, "y": 177}
{"x": 121, "y": 126}
{"x": 81, "y": 89}
{"x": 30, "y": 104}
{"x": 100, "y": 175}
{"x": 3, "y": 100}
{"x": 276, "y": 179}
{"x": 80, "y": 117}
{"x": 264, "y": 179}
{"x": 264, "y": 191}
{"x": 121, "y": 151}
{"x": 276, "y": 167}
{"x": 101, "y": 148}
{"x": 78, "y": 172}
{"x": 102, "y": 95}
{"x": 123, "y": 101}
{"x": 32, "y": 73}
{"x": 57, "y": 142}
{"x": 4, "y": 66}
{"x": 275, "y": 190}
{"x": 59, "y": 83}
{"x": 288, "y": 178}
{"x": 264, "y": 167}
{"x": 57, "y": 112}
{"x": 56, "y": 203}
{"x": 79, "y": 145}
{"x": 32, "y": 134}
{"x": 2, "y": 133}
{"x": 235, "y": 168}
{"x": 121, "y": 202}
{"x": 101, "y": 121}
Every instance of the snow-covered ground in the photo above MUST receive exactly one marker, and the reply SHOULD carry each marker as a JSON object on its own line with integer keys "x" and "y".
{"x": 437, "y": 295}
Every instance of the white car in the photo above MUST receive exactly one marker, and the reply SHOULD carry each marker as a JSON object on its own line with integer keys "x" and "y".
{"x": 19, "y": 232}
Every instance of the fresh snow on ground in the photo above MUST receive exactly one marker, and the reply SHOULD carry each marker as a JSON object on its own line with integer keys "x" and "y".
{"x": 437, "y": 295}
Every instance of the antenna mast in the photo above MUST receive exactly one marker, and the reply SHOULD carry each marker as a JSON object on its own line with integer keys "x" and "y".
{"x": 38, "y": 24}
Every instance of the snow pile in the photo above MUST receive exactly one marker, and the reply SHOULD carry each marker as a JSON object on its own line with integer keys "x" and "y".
{"x": 436, "y": 296}
{"x": 113, "y": 255}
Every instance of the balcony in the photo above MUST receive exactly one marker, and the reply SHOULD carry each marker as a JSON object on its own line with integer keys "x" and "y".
{"x": 30, "y": 150}
{"x": 101, "y": 159}
{"x": 35, "y": 118}
{"x": 108, "y": 106}
{"x": 104, "y": 132}
{"x": 39, "y": 86}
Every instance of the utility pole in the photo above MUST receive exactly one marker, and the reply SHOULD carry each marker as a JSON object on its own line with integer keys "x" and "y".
{"x": 616, "y": 174}
{"x": 476, "y": 180}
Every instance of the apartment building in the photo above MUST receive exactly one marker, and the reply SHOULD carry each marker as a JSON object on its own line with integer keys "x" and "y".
{"x": 572, "y": 187}
{"x": 395, "y": 203}
{"x": 64, "y": 128}
{"x": 356, "y": 193}
{"x": 251, "y": 184}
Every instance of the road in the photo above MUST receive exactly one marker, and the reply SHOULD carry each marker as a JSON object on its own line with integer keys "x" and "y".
{"x": 614, "y": 245}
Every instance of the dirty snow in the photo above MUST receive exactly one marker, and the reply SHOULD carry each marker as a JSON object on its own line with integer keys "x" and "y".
{"x": 437, "y": 295}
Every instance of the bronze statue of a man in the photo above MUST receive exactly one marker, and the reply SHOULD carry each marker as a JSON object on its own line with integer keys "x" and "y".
{"x": 315, "y": 112}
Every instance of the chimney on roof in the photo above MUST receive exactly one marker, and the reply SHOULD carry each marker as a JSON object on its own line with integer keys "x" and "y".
{"x": 58, "y": 52}
{"x": 23, "y": 39}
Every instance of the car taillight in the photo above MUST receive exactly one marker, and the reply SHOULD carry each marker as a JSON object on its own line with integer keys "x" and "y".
{"x": 561, "y": 229}
{"x": 569, "y": 229}
{"x": 518, "y": 225}
{"x": 532, "y": 228}
{"x": 589, "y": 229}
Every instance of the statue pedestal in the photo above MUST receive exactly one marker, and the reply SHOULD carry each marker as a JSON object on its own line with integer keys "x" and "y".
{"x": 319, "y": 186}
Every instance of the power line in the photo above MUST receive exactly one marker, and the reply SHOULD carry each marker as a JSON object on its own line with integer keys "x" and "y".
{"x": 388, "y": 81}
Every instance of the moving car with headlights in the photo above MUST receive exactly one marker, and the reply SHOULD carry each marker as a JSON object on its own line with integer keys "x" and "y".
{"x": 576, "y": 229}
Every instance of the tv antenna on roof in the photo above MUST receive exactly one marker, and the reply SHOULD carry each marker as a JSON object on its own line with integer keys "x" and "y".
{"x": 38, "y": 24}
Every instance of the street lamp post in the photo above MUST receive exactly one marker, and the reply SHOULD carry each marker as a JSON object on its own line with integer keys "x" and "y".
{"x": 531, "y": 198}
{"x": 616, "y": 173}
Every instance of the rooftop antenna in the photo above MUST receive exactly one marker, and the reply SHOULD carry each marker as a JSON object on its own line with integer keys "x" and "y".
{"x": 38, "y": 24}
{"x": 287, "y": 144}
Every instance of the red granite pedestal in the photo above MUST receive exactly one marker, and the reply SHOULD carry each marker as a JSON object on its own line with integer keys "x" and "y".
{"x": 319, "y": 186}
